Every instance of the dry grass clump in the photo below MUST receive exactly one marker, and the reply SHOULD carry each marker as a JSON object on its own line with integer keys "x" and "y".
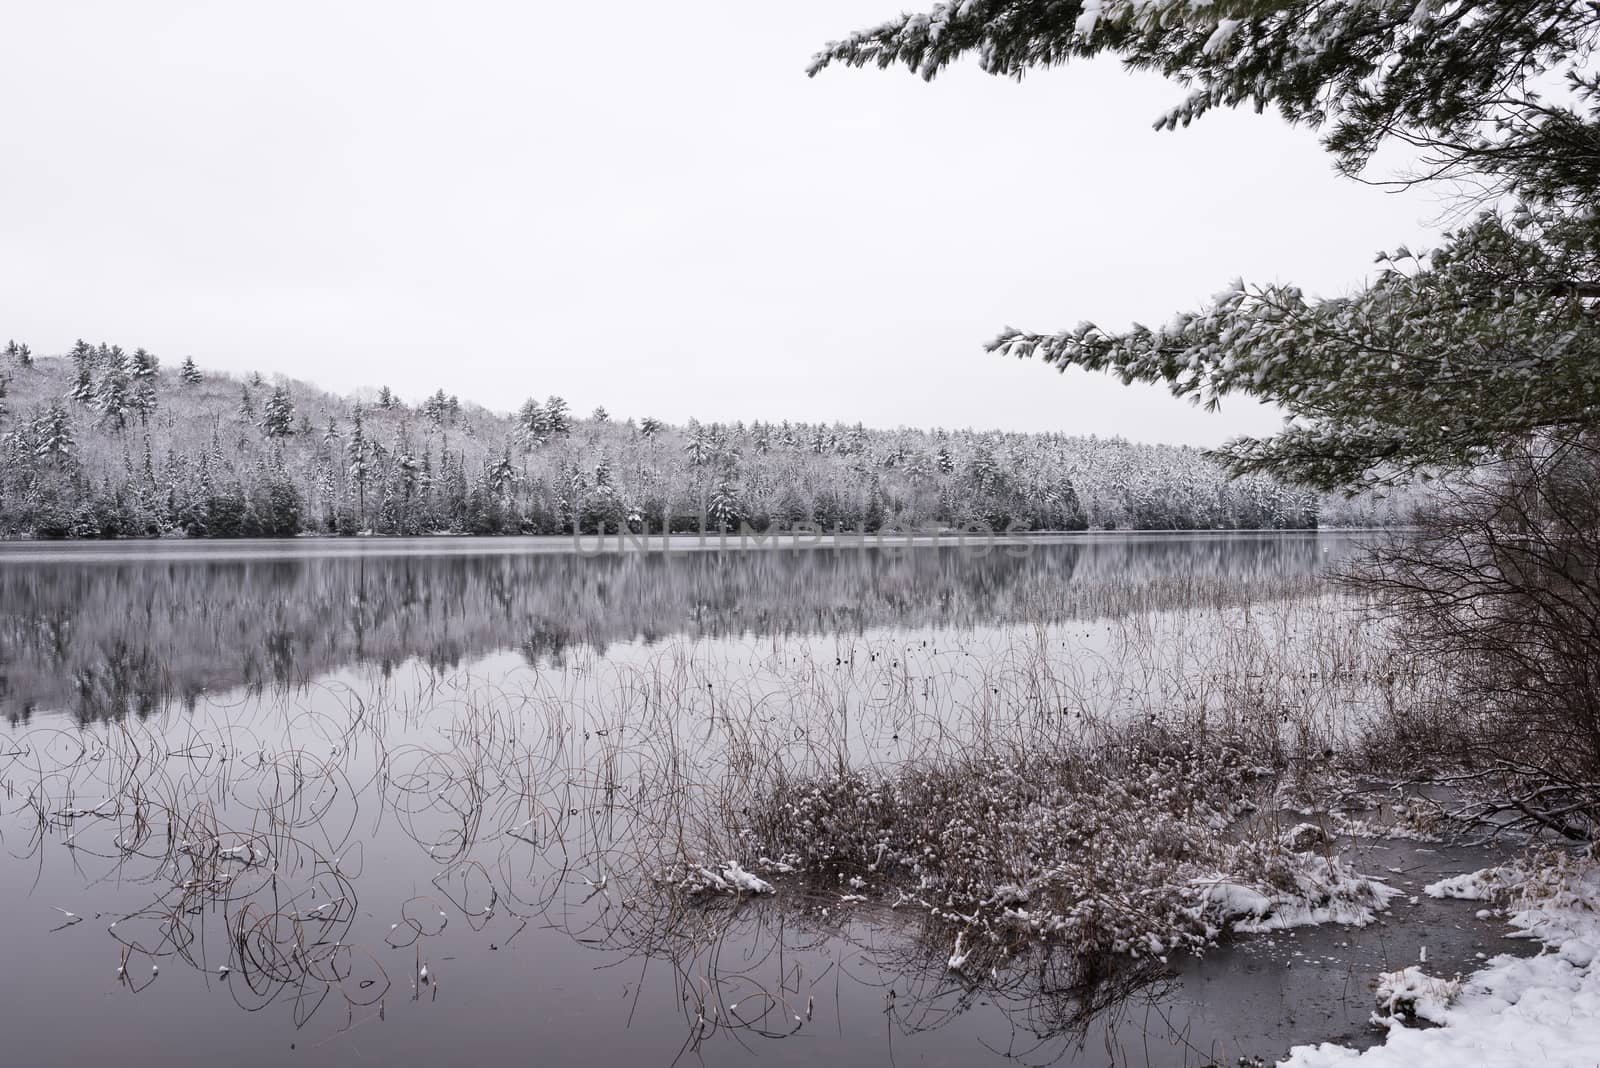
{"x": 1094, "y": 846}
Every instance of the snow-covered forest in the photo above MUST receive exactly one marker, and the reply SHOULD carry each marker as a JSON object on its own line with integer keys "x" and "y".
{"x": 108, "y": 442}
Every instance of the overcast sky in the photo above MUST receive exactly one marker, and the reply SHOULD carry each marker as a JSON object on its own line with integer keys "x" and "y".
{"x": 636, "y": 204}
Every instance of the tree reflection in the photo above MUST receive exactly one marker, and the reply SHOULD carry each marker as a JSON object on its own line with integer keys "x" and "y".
{"x": 106, "y": 640}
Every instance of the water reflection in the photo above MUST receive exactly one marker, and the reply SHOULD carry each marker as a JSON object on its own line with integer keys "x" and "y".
{"x": 431, "y": 864}
{"x": 104, "y": 636}
{"x": 328, "y": 868}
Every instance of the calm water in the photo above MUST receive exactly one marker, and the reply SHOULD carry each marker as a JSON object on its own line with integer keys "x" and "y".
{"x": 271, "y": 783}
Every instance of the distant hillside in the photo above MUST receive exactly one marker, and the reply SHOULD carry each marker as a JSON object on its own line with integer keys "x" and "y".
{"x": 105, "y": 442}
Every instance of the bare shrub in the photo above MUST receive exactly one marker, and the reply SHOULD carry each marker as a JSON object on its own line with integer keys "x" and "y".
{"x": 1500, "y": 590}
{"x": 1120, "y": 851}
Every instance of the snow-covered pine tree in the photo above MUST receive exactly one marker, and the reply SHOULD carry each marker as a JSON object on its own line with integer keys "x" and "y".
{"x": 531, "y": 424}
{"x": 697, "y": 447}
{"x": 436, "y": 409}
{"x": 113, "y": 398}
{"x": 556, "y": 418}
{"x": 1447, "y": 357}
{"x": 503, "y": 476}
{"x": 82, "y": 384}
{"x": 139, "y": 367}
{"x": 52, "y": 432}
{"x": 140, "y": 364}
{"x": 277, "y": 418}
{"x": 722, "y": 509}
{"x": 358, "y": 463}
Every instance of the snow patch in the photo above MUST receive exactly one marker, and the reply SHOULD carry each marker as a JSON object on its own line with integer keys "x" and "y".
{"x": 729, "y": 877}
{"x": 1474, "y": 885}
{"x": 1325, "y": 891}
{"x": 1412, "y": 994}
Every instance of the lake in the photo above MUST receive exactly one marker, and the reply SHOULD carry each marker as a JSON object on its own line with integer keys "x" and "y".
{"x": 425, "y": 801}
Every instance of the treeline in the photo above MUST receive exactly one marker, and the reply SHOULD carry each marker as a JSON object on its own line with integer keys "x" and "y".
{"x": 106, "y": 442}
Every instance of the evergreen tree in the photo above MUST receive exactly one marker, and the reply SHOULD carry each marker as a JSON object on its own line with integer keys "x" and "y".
{"x": 83, "y": 384}
{"x": 52, "y": 433}
{"x": 723, "y": 508}
{"x": 503, "y": 476}
{"x": 114, "y": 398}
{"x": 532, "y": 426}
{"x": 358, "y": 459}
{"x": 139, "y": 369}
{"x": 697, "y": 448}
{"x": 436, "y": 409}
{"x": 277, "y": 418}
{"x": 189, "y": 372}
{"x": 557, "y": 422}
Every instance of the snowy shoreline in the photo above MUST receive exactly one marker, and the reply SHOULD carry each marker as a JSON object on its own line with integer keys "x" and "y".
{"x": 1513, "y": 1012}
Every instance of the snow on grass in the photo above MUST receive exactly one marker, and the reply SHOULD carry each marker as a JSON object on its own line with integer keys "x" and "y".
{"x": 1412, "y": 994}
{"x": 1517, "y": 1011}
{"x": 729, "y": 877}
{"x": 1320, "y": 890}
{"x": 1481, "y": 885}
{"x": 1415, "y": 819}
{"x": 1130, "y": 850}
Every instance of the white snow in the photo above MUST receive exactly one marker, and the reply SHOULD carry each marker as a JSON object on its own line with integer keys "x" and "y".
{"x": 1087, "y": 19}
{"x": 1516, "y": 1011}
{"x": 1411, "y": 992}
{"x": 1219, "y": 37}
{"x": 1326, "y": 891}
{"x": 729, "y": 877}
{"x": 1474, "y": 885}
{"x": 1228, "y": 901}
{"x": 958, "y": 957}
{"x": 1304, "y": 836}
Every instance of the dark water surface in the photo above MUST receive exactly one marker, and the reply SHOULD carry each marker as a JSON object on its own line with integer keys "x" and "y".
{"x": 323, "y": 766}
